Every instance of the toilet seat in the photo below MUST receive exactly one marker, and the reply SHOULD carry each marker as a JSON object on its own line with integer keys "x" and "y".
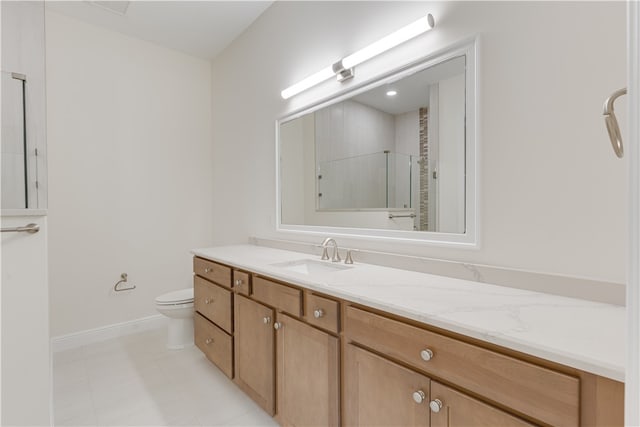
{"x": 182, "y": 296}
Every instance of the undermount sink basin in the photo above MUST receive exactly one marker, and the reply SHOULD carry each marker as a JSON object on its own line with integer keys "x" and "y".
{"x": 311, "y": 267}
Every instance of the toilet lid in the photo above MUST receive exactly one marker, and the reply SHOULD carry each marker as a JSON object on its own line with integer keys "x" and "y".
{"x": 176, "y": 297}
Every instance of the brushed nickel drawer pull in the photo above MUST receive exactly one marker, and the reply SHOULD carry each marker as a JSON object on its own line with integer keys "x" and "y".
{"x": 208, "y": 300}
{"x": 318, "y": 313}
{"x": 435, "y": 405}
{"x": 277, "y": 325}
{"x": 208, "y": 341}
{"x": 426, "y": 355}
{"x": 419, "y": 396}
{"x": 266, "y": 320}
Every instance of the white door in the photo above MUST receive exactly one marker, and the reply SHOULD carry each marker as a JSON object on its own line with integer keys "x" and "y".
{"x": 632, "y": 146}
{"x": 24, "y": 320}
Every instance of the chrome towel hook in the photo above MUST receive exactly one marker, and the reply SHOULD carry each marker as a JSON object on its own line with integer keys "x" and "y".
{"x": 612, "y": 122}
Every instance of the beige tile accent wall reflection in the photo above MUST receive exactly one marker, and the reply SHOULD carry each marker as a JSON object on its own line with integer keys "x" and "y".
{"x": 424, "y": 169}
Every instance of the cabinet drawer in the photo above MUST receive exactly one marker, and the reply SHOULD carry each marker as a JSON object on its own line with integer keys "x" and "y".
{"x": 221, "y": 274}
{"x": 322, "y": 312}
{"x": 241, "y": 282}
{"x": 213, "y": 302}
{"x": 214, "y": 343}
{"x": 279, "y": 296}
{"x": 541, "y": 393}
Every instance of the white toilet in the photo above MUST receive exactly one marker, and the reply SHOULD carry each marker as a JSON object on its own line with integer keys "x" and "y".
{"x": 178, "y": 307}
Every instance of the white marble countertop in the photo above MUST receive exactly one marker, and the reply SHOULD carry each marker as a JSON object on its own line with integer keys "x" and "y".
{"x": 581, "y": 334}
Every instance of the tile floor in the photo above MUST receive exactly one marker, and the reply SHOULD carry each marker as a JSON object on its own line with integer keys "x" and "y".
{"x": 135, "y": 381}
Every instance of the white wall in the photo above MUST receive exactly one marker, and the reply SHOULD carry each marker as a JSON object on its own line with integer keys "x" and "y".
{"x": 451, "y": 155}
{"x": 407, "y": 133}
{"x": 130, "y": 172}
{"x": 552, "y": 196}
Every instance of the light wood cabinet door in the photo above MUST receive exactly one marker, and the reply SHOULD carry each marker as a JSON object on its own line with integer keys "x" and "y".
{"x": 254, "y": 351}
{"x": 459, "y": 410}
{"x": 378, "y": 392}
{"x": 308, "y": 376}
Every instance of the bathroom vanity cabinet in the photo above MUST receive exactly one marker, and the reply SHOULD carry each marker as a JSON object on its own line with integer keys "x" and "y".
{"x": 309, "y": 358}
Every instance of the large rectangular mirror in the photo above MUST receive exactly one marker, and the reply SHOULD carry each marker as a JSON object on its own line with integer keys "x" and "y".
{"x": 394, "y": 158}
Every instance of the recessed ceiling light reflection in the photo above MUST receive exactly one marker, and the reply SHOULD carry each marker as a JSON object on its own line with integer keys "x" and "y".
{"x": 392, "y": 93}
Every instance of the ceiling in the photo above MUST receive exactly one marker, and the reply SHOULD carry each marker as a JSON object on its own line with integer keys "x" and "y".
{"x": 412, "y": 91}
{"x": 199, "y": 28}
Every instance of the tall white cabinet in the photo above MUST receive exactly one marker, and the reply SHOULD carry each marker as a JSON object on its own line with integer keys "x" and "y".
{"x": 25, "y": 392}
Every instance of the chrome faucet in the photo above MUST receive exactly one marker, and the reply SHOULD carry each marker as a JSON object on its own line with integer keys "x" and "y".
{"x": 325, "y": 255}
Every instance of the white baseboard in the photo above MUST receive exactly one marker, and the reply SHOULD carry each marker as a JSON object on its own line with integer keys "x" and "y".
{"x": 78, "y": 339}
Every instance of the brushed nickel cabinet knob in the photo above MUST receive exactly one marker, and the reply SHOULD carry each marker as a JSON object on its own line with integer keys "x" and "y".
{"x": 419, "y": 396}
{"x": 208, "y": 341}
{"x": 277, "y": 325}
{"x": 426, "y": 355}
{"x": 208, "y": 301}
{"x": 266, "y": 320}
{"x": 435, "y": 405}
{"x": 318, "y": 313}
{"x": 207, "y": 270}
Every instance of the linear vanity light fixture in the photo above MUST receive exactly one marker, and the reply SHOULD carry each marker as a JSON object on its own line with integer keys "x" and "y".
{"x": 343, "y": 69}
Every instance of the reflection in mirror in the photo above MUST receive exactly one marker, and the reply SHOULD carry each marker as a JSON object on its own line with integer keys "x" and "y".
{"x": 22, "y": 118}
{"x": 14, "y": 143}
{"x": 390, "y": 157}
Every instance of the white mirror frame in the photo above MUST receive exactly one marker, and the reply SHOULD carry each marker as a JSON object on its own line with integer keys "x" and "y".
{"x": 469, "y": 238}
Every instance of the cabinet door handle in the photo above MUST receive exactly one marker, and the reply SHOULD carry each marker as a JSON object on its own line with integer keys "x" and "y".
{"x": 419, "y": 396}
{"x": 266, "y": 320}
{"x": 318, "y": 313}
{"x": 208, "y": 300}
{"x": 208, "y": 341}
{"x": 238, "y": 282}
{"x": 277, "y": 326}
{"x": 435, "y": 405}
{"x": 207, "y": 269}
{"x": 426, "y": 355}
